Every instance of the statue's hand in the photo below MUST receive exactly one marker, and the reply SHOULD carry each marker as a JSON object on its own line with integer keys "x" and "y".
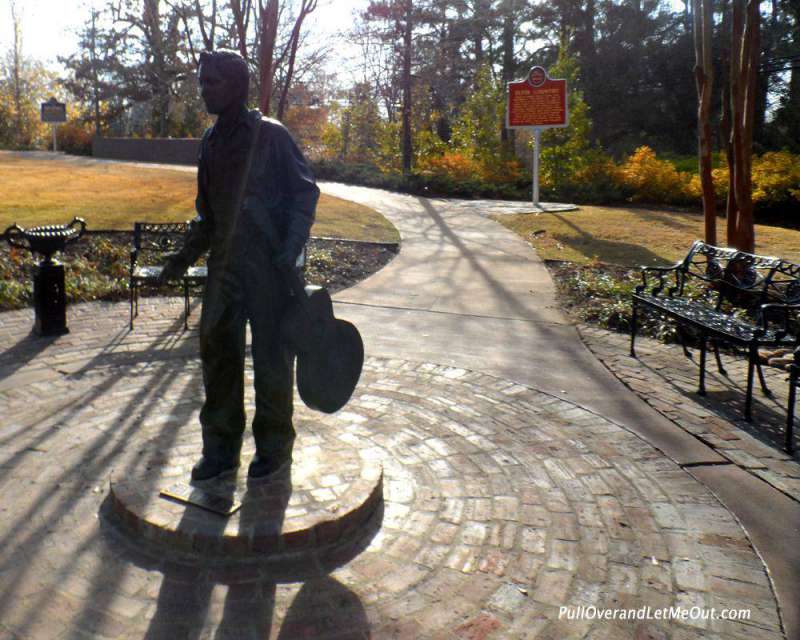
{"x": 287, "y": 257}
{"x": 173, "y": 270}
{"x": 284, "y": 259}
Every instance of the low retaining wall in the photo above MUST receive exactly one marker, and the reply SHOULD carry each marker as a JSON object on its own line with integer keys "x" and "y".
{"x": 167, "y": 150}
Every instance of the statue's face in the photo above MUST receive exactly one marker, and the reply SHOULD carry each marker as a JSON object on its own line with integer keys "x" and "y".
{"x": 215, "y": 89}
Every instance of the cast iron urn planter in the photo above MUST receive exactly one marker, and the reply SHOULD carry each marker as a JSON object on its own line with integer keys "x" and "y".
{"x": 49, "y": 298}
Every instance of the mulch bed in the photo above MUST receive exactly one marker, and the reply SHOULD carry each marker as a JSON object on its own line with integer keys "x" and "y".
{"x": 97, "y": 267}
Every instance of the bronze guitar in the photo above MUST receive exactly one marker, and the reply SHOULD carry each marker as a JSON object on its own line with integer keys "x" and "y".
{"x": 330, "y": 352}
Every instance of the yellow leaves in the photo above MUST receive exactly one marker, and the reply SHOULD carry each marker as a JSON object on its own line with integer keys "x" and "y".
{"x": 503, "y": 171}
{"x": 653, "y": 180}
{"x": 453, "y": 164}
{"x": 776, "y": 177}
{"x": 461, "y": 167}
{"x": 601, "y": 168}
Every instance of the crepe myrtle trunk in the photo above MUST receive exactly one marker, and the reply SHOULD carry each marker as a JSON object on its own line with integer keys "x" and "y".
{"x": 744, "y": 86}
{"x": 704, "y": 78}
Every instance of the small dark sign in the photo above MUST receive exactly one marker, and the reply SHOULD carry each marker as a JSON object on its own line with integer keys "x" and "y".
{"x": 54, "y": 111}
{"x": 187, "y": 494}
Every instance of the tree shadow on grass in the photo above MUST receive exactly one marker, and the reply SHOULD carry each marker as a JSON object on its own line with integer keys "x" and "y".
{"x": 679, "y": 220}
{"x": 612, "y": 251}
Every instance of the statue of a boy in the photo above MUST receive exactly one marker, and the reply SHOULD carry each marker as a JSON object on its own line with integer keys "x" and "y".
{"x": 244, "y": 279}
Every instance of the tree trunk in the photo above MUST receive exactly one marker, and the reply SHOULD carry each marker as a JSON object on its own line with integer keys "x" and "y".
{"x": 95, "y": 79}
{"x": 269, "y": 31}
{"x": 726, "y": 126}
{"x": 727, "y": 133}
{"x": 704, "y": 77}
{"x": 744, "y": 59}
{"x": 509, "y": 65}
{"x": 17, "y": 71}
{"x": 479, "y": 16}
{"x": 407, "y": 149}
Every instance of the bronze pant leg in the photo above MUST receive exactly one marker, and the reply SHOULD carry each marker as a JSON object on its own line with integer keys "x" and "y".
{"x": 222, "y": 345}
{"x": 273, "y": 368}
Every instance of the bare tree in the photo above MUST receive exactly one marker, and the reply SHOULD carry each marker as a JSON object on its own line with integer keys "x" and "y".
{"x": 306, "y": 7}
{"x": 268, "y": 32}
{"x": 154, "y": 37}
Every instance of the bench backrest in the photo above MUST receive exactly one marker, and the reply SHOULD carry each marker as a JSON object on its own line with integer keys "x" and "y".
{"x": 157, "y": 238}
{"x": 784, "y": 286}
{"x": 740, "y": 278}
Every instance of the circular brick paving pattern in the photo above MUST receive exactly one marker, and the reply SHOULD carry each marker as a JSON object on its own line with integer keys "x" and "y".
{"x": 501, "y": 505}
{"x": 324, "y": 499}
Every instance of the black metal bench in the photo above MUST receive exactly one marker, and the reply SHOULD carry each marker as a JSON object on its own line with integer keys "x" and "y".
{"x": 728, "y": 296}
{"x": 152, "y": 241}
{"x": 794, "y": 382}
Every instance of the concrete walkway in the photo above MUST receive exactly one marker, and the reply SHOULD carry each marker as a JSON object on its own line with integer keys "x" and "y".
{"x": 467, "y": 292}
{"x": 521, "y": 476}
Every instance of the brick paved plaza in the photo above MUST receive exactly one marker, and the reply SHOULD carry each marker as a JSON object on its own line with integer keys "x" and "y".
{"x": 488, "y": 472}
{"x": 717, "y": 418}
{"x": 501, "y": 504}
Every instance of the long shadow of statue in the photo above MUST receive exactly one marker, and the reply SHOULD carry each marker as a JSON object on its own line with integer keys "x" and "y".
{"x": 227, "y": 598}
{"x": 325, "y": 608}
{"x": 193, "y": 589}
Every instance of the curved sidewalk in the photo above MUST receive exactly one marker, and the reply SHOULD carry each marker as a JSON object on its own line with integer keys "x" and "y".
{"x": 520, "y": 476}
{"x": 499, "y": 314}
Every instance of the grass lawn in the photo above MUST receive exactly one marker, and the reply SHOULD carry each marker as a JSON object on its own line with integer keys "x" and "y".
{"x": 37, "y": 191}
{"x": 632, "y": 236}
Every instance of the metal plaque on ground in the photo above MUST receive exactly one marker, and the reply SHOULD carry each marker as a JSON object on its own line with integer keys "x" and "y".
{"x": 187, "y": 494}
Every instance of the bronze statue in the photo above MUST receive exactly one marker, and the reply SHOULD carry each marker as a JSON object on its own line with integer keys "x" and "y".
{"x": 244, "y": 273}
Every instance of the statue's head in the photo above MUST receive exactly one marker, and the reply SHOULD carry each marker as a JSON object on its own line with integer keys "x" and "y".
{"x": 224, "y": 79}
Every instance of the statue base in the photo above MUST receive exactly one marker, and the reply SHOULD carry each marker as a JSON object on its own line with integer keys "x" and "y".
{"x": 325, "y": 499}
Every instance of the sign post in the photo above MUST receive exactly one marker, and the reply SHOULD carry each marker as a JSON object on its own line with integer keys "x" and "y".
{"x": 54, "y": 112}
{"x": 538, "y": 102}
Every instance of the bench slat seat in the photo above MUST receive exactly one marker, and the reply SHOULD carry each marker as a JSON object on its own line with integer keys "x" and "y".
{"x": 703, "y": 316}
{"x": 147, "y": 273}
{"x": 196, "y": 275}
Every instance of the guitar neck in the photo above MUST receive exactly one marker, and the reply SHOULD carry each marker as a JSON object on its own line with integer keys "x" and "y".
{"x": 293, "y": 280}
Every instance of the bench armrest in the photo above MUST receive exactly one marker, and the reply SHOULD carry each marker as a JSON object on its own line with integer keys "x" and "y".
{"x": 661, "y": 271}
{"x": 788, "y": 310}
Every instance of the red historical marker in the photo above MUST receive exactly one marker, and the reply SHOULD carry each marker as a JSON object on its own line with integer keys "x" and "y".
{"x": 538, "y": 102}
